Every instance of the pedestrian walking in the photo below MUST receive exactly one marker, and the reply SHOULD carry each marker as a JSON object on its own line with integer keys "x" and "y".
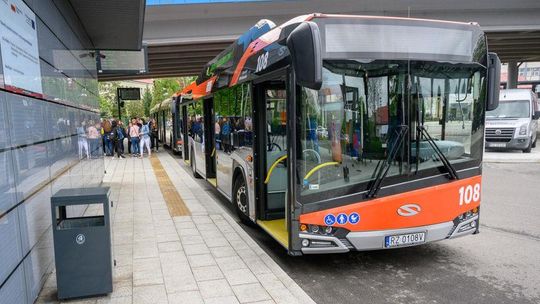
{"x": 144, "y": 138}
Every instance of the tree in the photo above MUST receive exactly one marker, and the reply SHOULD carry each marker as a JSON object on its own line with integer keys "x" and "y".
{"x": 163, "y": 88}
{"x": 107, "y": 99}
{"x": 134, "y": 108}
{"x": 147, "y": 102}
{"x": 105, "y": 107}
{"x": 166, "y": 87}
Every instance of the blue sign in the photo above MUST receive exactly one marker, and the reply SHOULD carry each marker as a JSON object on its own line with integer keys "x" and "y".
{"x": 342, "y": 219}
{"x": 354, "y": 218}
{"x": 329, "y": 219}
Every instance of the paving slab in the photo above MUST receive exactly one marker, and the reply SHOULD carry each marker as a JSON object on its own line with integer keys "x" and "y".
{"x": 195, "y": 253}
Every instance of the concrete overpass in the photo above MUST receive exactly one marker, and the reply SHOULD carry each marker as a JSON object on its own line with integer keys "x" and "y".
{"x": 182, "y": 38}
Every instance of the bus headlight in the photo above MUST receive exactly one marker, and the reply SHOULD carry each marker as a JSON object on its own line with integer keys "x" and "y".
{"x": 328, "y": 230}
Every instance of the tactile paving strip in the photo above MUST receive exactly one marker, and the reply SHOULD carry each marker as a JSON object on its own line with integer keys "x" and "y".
{"x": 174, "y": 202}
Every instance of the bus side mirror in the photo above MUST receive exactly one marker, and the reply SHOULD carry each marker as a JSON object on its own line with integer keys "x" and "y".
{"x": 494, "y": 81}
{"x": 304, "y": 44}
{"x": 536, "y": 115}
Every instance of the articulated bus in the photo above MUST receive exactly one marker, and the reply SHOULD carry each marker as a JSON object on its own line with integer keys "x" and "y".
{"x": 169, "y": 125}
{"x": 338, "y": 133}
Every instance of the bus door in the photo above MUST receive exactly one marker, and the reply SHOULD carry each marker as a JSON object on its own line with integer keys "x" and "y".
{"x": 209, "y": 143}
{"x": 185, "y": 145}
{"x": 271, "y": 158}
{"x": 162, "y": 131}
{"x": 175, "y": 132}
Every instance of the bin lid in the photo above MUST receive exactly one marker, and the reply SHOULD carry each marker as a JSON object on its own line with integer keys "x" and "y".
{"x": 76, "y": 196}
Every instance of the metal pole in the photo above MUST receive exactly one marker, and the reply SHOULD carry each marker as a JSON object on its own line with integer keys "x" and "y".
{"x": 513, "y": 72}
{"x": 118, "y": 103}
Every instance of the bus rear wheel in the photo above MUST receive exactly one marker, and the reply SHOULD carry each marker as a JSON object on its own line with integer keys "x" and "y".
{"x": 241, "y": 201}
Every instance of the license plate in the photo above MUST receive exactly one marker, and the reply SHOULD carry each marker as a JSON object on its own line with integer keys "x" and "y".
{"x": 404, "y": 239}
{"x": 497, "y": 145}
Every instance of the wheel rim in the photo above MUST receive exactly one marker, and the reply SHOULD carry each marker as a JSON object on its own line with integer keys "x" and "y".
{"x": 241, "y": 199}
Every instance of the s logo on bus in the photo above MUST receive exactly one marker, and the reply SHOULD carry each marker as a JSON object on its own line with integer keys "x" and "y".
{"x": 80, "y": 239}
{"x": 409, "y": 210}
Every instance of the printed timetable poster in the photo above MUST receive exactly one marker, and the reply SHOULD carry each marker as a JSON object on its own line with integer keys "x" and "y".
{"x": 19, "y": 46}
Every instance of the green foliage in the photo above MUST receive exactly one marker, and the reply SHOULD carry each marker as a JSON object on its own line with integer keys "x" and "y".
{"x": 166, "y": 87}
{"x": 105, "y": 107}
{"x": 163, "y": 88}
{"x": 107, "y": 99}
{"x": 147, "y": 102}
{"x": 134, "y": 108}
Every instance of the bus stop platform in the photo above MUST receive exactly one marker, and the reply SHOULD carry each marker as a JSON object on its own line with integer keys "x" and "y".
{"x": 174, "y": 243}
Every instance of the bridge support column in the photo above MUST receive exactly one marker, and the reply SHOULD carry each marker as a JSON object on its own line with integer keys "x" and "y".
{"x": 512, "y": 75}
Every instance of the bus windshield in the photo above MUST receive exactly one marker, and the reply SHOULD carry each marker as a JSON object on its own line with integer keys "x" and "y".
{"x": 348, "y": 127}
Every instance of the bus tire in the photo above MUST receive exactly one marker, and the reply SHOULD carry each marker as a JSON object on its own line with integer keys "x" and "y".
{"x": 241, "y": 200}
{"x": 193, "y": 167}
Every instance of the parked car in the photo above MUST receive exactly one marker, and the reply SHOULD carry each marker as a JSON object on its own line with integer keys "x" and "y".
{"x": 513, "y": 125}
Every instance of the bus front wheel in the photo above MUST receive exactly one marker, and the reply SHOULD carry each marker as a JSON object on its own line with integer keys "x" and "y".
{"x": 240, "y": 200}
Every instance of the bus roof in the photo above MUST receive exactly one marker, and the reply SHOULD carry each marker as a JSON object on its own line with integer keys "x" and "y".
{"x": 238, "y": 62}
{"x": 162, "y": 104}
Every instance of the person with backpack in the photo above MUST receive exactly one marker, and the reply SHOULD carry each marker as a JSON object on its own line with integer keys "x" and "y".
{"x": 226, "y": 135}
{"x": 124, "y": 135}
{"x": 108, "y": 145}
{"x": 144, "y": 138}
{"x": 117, "y": 138}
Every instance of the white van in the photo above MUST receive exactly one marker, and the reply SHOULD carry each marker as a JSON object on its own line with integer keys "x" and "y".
{"x": 513, "y": 125}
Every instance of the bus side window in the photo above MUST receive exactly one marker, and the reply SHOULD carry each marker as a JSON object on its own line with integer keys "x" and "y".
{"x": 243, "y": 126}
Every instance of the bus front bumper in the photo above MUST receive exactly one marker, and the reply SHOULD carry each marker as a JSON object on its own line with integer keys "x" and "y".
{"x": 375, "y": 240}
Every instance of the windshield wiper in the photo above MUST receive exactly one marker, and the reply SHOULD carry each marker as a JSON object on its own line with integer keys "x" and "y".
{"x": 452, "y": 174}
{"x": 382, "y": 170}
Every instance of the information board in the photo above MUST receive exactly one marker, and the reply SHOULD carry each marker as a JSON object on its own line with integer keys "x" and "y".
{"x": 129, "y": 93}
{"x": 19, "y": 46}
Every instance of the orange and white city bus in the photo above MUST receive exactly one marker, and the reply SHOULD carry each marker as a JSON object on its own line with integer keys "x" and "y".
{"x": 336, "y": 133}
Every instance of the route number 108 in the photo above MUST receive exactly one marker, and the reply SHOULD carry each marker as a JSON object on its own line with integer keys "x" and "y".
{"x": 468, "y": 194}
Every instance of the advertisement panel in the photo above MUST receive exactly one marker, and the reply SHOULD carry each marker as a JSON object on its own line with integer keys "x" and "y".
{"x": 19, "y": 46}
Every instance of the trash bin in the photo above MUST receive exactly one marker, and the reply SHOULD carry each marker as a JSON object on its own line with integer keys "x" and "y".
{"x": 82, "y": 244}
